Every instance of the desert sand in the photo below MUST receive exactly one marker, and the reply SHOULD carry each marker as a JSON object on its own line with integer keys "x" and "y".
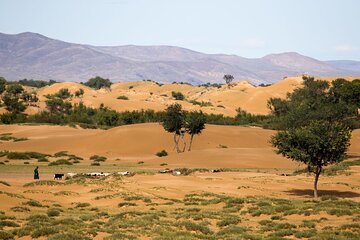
{"x": 250, "y": 166}
{"x": 150, "y": 95}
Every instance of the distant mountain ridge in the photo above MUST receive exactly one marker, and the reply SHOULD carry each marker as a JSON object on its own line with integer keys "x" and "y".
{"x": 32, "y": 55}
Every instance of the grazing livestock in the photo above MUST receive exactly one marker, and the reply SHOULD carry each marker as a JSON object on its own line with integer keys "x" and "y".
{"x": 58, "y": 176}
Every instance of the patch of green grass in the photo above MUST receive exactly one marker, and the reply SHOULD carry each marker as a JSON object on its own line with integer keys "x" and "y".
{"x": 197, "y": 227}
{"x": 20, "y": 209}
{"x": 8, "y": 137}
{"x": 305, "y": 233}
{"x": 6, "y": 235}
{"x": 14, "y": 195}
{"x": 43, "y": 183}
{"x": 33, "y": 203}
{"x": 66, "y": 193}
{"x": 229, "y": 220}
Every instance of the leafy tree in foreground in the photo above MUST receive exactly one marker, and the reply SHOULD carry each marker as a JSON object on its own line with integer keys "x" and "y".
{"x": 173, "y": 122}
{"x": 195, "y": 123}
{"x": 317, "y": 145}
{"x": 98, "y": 82}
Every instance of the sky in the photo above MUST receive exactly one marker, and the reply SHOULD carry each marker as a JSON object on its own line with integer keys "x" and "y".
{"x": 323, "y": 29}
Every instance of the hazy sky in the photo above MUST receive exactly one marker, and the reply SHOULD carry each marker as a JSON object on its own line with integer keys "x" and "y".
{"x": 324, "y": 29}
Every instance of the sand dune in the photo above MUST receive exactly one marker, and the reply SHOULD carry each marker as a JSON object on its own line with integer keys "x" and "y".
{"x": 150, "y": 95}
{"x": 217, "y": 147}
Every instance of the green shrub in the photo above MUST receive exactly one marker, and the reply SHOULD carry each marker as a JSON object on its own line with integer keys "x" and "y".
{"x": 33, "y": 203}
{"x": 98, "y": 158}
{"x": 60, "y": 162}
{"x": 82, "y": 205}
{"x": 162, "y": 153}
{"x": 178, "y": 95}
{"x": 26, "y": 155}
{"x": 230, "y": 220}
{"x": 53, "y": 212}
{"x": 122, "y": 98}
{"x": 7, "y": 223}
{"x": 201, "y": 104}
{"x": 20, "y": 209}
{"x": 123, "y": 204}
{"x": 95, "y": 164}
{"x": 98, "y": 82}
{"x": 61, "y": 154}
{"x": 17, "y": 155}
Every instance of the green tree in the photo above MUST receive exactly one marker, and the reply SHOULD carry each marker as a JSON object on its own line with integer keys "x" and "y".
{"x": 228, "y": 79}
{"x": 178, "y": 95}
{"x": 317, "y": 145}
{"x": 63, "y": 93}
{"x": 317, "y": 100}
{"x": 194, "y": 124}
{"x": 173, "y": 122}
{"x": 98, "y": 82}
{"x": 13, "y": 99}
{"x": 2, "y": 85}
{"x": 58, "y": 106}
{"x": 79, "y": 93}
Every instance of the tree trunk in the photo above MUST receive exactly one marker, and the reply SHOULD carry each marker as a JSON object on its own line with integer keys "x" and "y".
{"x": 191, "y": 139}
{"x": 317, "y": 175}
{"x": 182, "y": 137}
{"x": 176, "y": 143}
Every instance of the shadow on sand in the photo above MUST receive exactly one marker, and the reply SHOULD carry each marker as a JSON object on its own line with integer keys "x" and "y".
{"x": 310, "y": 193}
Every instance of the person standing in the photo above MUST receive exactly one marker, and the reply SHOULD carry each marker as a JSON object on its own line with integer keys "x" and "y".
{"x": 36, "y": 173}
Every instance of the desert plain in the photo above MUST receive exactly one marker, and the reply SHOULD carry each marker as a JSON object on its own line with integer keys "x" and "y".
{"x": 232, "y": 183}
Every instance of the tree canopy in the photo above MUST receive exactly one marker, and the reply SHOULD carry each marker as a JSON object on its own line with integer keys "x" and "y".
{"x": 318, "y": 100}
{"x": 98, "y": 82}
{"x": 317, "y": 145}
{"x": 228, "y": 78}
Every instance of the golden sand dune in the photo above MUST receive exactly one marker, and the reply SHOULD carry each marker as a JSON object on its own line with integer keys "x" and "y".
{"x": 150, "y": 95}
{"x": 217, "y": 147}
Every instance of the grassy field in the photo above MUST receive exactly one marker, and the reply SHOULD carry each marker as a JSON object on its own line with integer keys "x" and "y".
{"x": 202, "y": 215}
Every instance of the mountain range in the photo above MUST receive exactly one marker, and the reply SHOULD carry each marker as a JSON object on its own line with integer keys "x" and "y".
{"x": 31, "y": 55}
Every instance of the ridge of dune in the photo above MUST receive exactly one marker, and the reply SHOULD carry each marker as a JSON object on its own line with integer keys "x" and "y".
{"x": 147, "y": 94}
